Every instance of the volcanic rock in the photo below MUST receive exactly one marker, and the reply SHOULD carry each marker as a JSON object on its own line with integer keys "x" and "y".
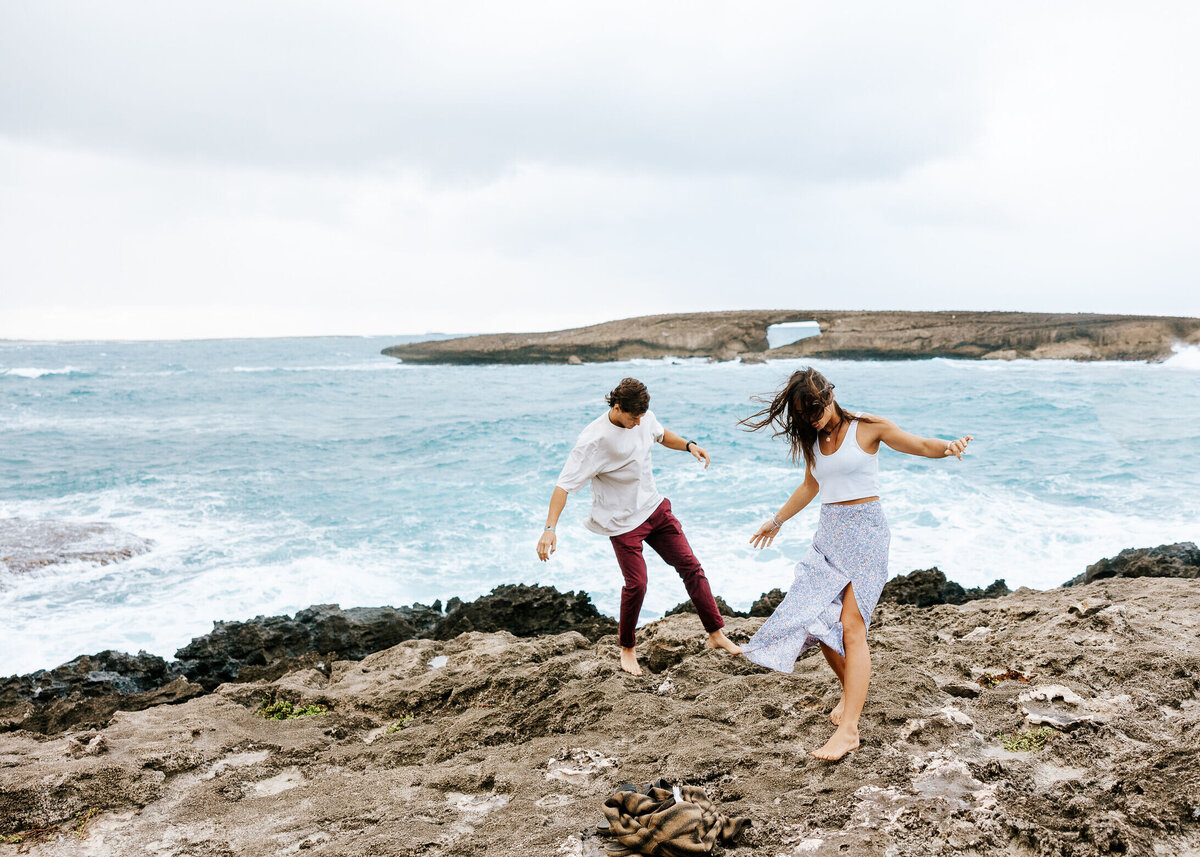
{"x": 688, "y": 607}
{"x": 927, "y": 587}
{"x": 767, "y": 603}
{"x": 1181, "y": 559}
{"x": 325, "y": 629}
{"x": 463, "y": 759}
{"x": 527, "y": 611}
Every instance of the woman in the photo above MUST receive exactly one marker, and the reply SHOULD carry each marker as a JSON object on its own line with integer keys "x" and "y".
{"x": 839, "y": 580}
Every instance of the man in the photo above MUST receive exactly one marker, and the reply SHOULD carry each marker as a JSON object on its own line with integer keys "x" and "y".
{"x": 613, "y": 453}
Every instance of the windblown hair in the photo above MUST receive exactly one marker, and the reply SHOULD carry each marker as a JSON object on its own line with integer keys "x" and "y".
{"x": 631, "y": 396}
{"x": 791, "y": 412}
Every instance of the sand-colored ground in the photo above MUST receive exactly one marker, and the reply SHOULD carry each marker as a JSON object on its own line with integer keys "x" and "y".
{"x": 502, "y": 746}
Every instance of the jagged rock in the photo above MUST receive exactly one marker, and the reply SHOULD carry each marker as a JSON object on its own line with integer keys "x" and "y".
{"x": 416, "y": 761}
{"x": 767, "y": 602}
{"x": 1181, "y": 559}
{"x": 527, "y": 611}
{"x": 87, "y": 691}
{"x": 722, "y": 608}
{"x": 927, "y": 587}
{"x": 352, "y": 634}
{"x": 27, "y": 543}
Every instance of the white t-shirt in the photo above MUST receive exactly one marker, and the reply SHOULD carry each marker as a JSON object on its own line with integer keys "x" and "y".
{"x": 616, "y": 460}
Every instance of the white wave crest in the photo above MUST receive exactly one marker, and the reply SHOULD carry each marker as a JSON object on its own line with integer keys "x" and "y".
{"x": 35, "y": 372}
{"x": 1185, "y": 357}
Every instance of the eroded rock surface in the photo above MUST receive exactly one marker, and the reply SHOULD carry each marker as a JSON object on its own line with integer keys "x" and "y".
{"x": 1181, "y": 559}
{"x": 509, "y": 747}
{"x": 28, "y": 543}
{"x": 929, "y": 586}
{"x": 85, "y": 692}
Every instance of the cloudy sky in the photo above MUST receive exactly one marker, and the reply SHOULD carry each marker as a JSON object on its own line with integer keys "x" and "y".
{"x": 294, "y": 168}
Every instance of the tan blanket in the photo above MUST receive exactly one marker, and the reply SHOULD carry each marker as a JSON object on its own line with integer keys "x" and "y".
{"x": 654, "y": 822}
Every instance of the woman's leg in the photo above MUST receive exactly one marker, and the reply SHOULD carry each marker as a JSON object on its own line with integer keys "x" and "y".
{"x": 838, "y": 664}
{"x": 857, "y": 677}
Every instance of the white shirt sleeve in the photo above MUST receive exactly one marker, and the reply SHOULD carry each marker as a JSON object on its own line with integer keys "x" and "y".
{"x": 656, "y": 429}
{"x": 583, "y": 463}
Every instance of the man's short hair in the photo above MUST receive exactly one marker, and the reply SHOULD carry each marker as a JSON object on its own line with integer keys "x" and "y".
{"x": 631, "y": 396}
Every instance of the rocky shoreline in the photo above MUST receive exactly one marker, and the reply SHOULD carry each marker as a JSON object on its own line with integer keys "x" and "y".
{"x": 844, "y": 335}
{"x": 1061, "y": 722}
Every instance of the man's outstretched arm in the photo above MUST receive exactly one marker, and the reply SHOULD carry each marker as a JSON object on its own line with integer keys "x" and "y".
{"x": 673, "y": 441}
{"x": 547, "y": 544}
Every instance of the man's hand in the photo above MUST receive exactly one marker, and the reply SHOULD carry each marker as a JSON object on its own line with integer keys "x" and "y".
{"x": 700, "y": 454}
{"x": 546, "y": 545}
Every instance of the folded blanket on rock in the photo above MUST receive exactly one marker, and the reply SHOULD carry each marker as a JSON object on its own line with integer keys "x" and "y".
{"x": 663, "y": 820}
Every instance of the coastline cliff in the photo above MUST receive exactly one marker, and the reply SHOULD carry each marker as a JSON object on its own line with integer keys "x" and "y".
{"x": 844, "y": 335}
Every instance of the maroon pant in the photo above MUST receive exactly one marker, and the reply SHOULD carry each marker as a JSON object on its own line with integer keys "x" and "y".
{"x": 663, "y": 532}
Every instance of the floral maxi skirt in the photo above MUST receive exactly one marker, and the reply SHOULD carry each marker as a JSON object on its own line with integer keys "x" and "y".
{"x": 851, "y": 546}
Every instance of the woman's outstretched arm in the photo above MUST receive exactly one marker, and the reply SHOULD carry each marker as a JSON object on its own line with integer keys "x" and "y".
{"x": 926, "y": 447}
{"x": 800, "y": 498}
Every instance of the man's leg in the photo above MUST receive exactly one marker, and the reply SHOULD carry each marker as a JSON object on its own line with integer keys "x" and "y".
{"x": 628, "y": 548}
{"x": 669, "y": 542}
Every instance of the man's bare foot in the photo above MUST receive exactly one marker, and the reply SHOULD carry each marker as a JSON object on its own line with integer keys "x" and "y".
{"x": 629, "y": 661}
{"x": 839, "y": 744}
{"x": 718, "y": 640}
{"x": 836, "y": 714}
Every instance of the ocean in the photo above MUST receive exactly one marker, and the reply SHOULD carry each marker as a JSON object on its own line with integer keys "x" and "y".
{"x": 275, "y": 474}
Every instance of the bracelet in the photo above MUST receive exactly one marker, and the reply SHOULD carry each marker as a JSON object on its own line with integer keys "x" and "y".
{"x": 549, "y": 528}
{"x": 687, "y": 447}
{"x": 775, "y": 521}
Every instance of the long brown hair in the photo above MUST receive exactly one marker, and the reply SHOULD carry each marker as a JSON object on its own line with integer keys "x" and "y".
{"x": 791, "y": 412}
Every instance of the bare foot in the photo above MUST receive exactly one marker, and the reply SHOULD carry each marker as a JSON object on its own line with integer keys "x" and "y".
{"x": 839, "y": 744}
{"x": 718, "y": 640}
{"x": 836, "y": 714}
{"x": 629, "y": 661}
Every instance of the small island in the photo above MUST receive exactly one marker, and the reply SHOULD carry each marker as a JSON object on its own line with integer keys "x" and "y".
{"x": 853, "y": 335}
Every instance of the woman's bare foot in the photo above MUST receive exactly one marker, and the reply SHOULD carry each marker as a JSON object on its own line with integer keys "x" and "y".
{"x": 718, "y": 640}
{"x": 839, "y": 744}
{"x": 629, "y": 661}
{"x": 836, "y": 714}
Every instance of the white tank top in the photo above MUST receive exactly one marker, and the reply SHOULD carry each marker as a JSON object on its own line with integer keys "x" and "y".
{"x": 848, "y": 473}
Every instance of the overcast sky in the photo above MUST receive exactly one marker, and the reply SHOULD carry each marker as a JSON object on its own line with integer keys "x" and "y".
{"x": 175, "y": 170}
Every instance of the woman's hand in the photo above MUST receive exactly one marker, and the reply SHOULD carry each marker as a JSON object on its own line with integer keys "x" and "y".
{"x": 546, "y": 545}
{"x": 765, "y": 534}
{"x": 958, "y": 447}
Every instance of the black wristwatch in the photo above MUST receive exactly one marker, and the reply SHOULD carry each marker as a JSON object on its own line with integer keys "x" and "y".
{"x": 687, "y": 447}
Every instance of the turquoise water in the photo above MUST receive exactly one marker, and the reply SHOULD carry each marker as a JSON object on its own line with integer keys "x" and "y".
{"x": 273, "y": 474}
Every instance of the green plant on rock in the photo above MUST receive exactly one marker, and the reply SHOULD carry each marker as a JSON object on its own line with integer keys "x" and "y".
{"x": 401, "y": 723}
{"x": 1029, "y": 741}
{"x": 282, "y": 709}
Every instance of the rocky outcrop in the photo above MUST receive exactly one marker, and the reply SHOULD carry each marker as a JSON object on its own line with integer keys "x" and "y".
{"x": 929, "y": 586}
{"x": 269, "y": 641}
{"x": 688, "y": 607}
{"x": 847, "y": 335}
{"x": 1181, "y": 559}
{"x": 766, "y": 605}
{"x": 88, "y": 690}
{"x": 27, "y": 543}
{"x": 1013, "y": 725}
{"x": 526, "y": 611}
